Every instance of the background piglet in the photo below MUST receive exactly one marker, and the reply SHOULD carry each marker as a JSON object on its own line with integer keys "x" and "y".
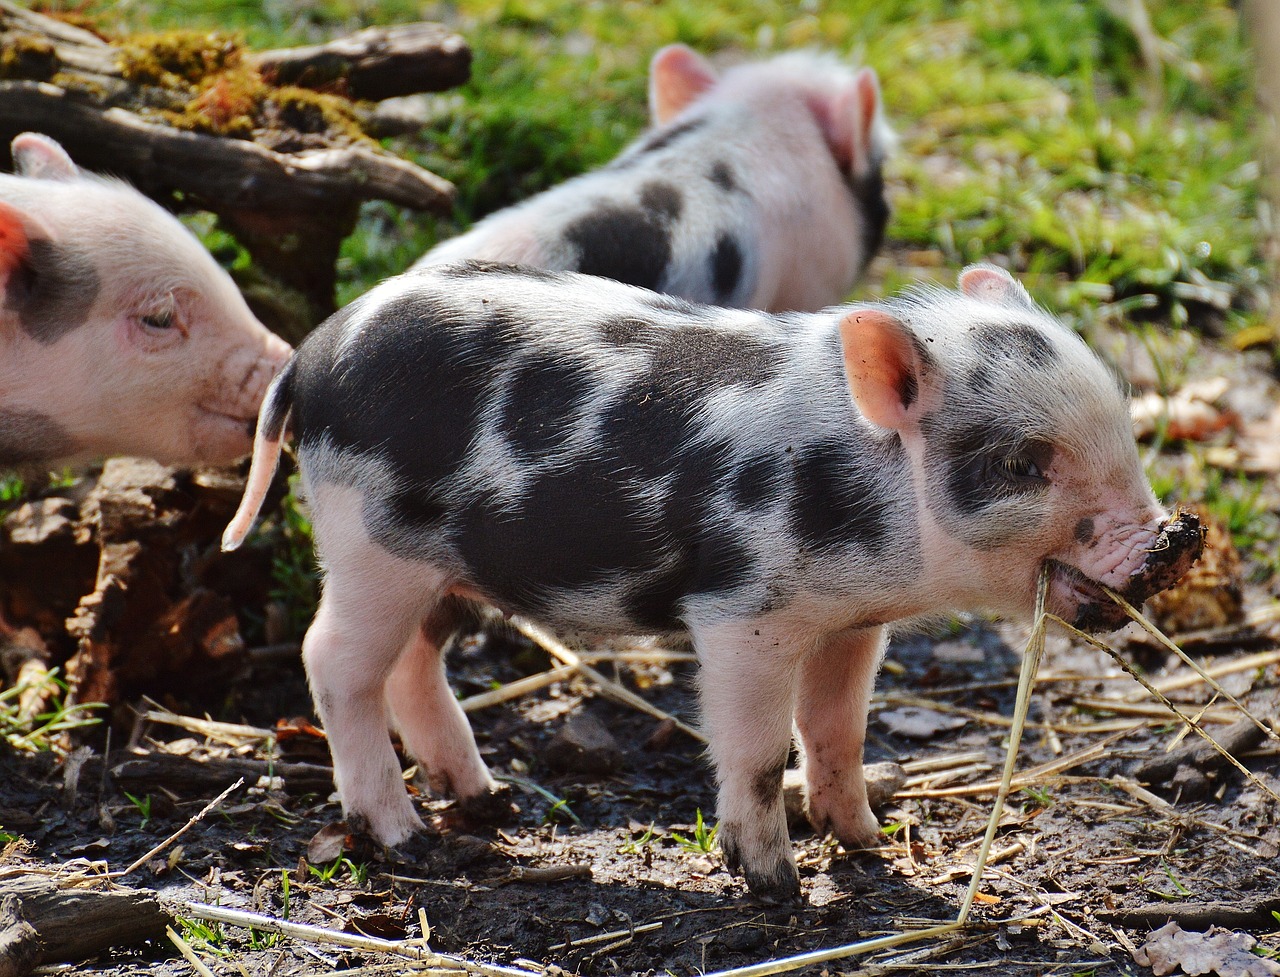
{"x": 779, "y": 487}
{"x": 119, "y": 333}
{"x": 758, "y": 188}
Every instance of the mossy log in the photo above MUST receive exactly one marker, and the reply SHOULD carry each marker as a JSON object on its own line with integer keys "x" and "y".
{"x": 44, "y": 922}
{"x": 285, "y": 170}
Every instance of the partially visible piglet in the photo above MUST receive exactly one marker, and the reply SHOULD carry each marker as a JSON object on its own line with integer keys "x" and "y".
{"x": 760, "y": 188}
{"x": 119, "y": 333}
{"x": 608, "y": 460}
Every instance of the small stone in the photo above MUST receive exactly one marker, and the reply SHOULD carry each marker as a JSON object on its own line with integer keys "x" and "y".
{"x": 584, "y": 745}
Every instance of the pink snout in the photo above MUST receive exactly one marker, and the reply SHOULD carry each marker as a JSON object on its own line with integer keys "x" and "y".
{"x": 229, "y": 409}
{"x": 1172, "y": 552}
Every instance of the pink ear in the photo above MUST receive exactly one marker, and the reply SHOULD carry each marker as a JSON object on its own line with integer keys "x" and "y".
{"x": 40, "y": 157}
{"x": 882, "y": 366}
{"x": 15, "y": 245}
{"x": 987, "y": 283}
{"x": 849, "y": 123}
{"x": 677, "y": 76}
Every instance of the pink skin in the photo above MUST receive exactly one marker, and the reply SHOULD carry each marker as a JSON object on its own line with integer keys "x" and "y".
{"x": 166, "y": 361}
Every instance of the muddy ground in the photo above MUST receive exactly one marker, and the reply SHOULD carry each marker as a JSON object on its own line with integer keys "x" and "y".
{"x": 1090, "y": 850}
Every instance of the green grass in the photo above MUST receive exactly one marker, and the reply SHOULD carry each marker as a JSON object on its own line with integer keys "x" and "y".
{"x": 1030, "y": 128}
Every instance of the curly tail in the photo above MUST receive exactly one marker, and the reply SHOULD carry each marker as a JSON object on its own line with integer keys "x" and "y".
{"x": 272, "y": 421}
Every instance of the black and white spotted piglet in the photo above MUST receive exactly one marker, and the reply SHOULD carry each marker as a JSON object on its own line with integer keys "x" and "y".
{"x": 759, "y": 188}
{"x": 608, "y": 460}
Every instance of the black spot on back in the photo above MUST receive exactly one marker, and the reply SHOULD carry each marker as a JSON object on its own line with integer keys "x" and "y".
{"x": 624, "y": 330}
{"x": 726, "y": 267}
{"x": 52, "y": 290}
{"x": 473, "y": 267}
{"x": 759, "y": 481}
{"x": 410, "y": 388}
{"x": 623, "y": 243}
{"x": 838, "y": 499}
{"x": 543, "y": 398}
{"x": 722, "y": 176}
{"x": 662, "y": 199}
{"x": 713, "y": 358}
{"x": 656, "y": 140}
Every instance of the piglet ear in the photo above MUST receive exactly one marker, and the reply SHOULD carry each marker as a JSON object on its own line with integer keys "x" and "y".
{"x": 41, "y": 158}
{"x": 855, "y": 130}
{"x": 677, "y": 76}
{"x": 15, "y": 245}
{"x": 987, "y": 283}
{"x": 883, "y": 365}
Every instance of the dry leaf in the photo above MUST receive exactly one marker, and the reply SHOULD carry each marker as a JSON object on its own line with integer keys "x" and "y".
{"x": 1219, "y": 951}
{"x": 917, "y": 723}
{"x": 1189, "y": 415}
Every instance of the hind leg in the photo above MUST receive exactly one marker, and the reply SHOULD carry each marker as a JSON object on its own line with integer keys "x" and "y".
{"x": 831, "y": 714}
{"x": 373, "y": 603}
{"x": 432, "y": 724}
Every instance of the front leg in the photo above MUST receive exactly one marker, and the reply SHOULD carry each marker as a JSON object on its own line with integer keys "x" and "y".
{"x": 747, "y": 683}
{"x": 831, "y": 715}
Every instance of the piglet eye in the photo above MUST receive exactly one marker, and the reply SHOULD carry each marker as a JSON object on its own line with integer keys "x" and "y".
{"x": 1020, "y": 468}
{"x": 159, "y": 320}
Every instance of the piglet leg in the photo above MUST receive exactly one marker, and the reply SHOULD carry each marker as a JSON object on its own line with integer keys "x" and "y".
{"x": 831, "y": 715}
{"x": 432, "y": 724}
{"x": 748, "y": 691}
{"x": 373, "y": 603}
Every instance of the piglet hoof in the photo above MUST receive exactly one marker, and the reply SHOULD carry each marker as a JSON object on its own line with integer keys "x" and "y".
{"x": 772, "y": 880}
{"x": 389, "y": 828}
{"x": 852, "y": 828}
{"x": 493, "y": 806}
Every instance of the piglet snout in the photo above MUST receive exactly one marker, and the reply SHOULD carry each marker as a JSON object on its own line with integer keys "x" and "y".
{"x": 1171, "y": 554}
{"x": 1176, "y": 548}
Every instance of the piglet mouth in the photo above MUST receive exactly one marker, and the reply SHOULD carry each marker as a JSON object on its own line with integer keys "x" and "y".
{"x": 1177, "y": 546}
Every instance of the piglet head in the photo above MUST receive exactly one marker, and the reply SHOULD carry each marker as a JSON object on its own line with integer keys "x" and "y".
{"x": 1022, "y": 454}
{"x": 120, "y": 330}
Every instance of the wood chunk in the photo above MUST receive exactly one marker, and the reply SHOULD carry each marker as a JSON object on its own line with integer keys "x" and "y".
{"x": 185, "y": 775}
{"x": 19, "y": 941}
{"x": 1198, "y": 755}
{"x": 73, "y": 923}
{"x": 376, "y": 63}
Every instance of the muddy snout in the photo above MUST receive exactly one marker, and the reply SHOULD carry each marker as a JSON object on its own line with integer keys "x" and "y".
{"x": 1178, "y": 546}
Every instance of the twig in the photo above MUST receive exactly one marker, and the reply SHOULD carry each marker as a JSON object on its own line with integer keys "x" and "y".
{"x": 513, "y": 690}
{"x": 605, "y": 937}
{"x": 554, "y": 647}
{"x": 353, "y": 941}
{"x": 1199, "y": 730}
{"x": 1174, "y": 683}
{"x": 1159, "y": 635}
{"x": 232, "y": 734}
{"x": 1026, "y": 679}
{"x": 196, "y": 963}
{"x": 181, "y": 831}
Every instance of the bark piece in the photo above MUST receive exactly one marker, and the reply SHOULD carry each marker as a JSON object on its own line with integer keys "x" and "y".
{"x": 376, "y": 63}
{"x": 1199, "y": 755}
{"x": 186, "y": 775}
{"x": 73, "y": 923}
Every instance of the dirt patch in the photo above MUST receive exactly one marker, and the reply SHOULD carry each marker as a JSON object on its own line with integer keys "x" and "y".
{"x": 1082, "y": 851}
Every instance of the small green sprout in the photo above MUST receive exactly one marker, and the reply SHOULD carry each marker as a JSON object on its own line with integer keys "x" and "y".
{"x": 704, "y": 836}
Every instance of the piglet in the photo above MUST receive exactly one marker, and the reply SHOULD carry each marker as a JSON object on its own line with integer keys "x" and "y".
{"x": 611, "y": 461}
{"x": 759, "y": 188}
{"x": 119, "y": 333}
